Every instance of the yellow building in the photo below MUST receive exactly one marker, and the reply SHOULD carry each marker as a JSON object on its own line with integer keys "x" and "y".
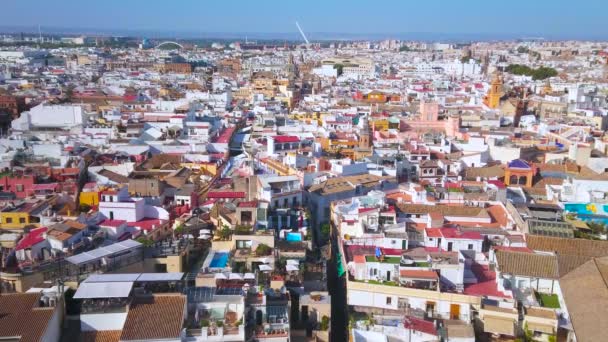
{"x": 209, "y": 168}
{"x": 492, "y": 100}
{"x": 22, "y": 215}
{"x": 380, "y": 124}
{"x": 90, "y": 198}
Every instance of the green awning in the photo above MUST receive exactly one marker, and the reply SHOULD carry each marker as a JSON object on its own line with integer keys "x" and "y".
{"x": 339, "y": 266}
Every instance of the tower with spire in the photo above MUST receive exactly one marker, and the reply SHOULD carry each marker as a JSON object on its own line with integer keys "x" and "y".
{"x": 492, "y": 100}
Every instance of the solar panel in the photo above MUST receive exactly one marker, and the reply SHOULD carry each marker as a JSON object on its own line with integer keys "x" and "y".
{"x": 107, "y": 278}
{"x": 101, "y": 252}
{"x": 79, "y": 259}
{"x": 103, "y": 290}
{"x": 200, "y": 294}
{"x": 174, "y": 276}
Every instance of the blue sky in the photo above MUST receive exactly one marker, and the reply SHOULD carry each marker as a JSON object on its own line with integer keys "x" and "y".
{"x": 556, "y": 18}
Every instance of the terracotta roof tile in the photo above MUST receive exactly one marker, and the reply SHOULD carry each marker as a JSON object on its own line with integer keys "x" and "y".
{"x": 161, "y": 317}
{"x": 20, "y": 316}
{"x": 590, "y": 248}
{"x": 586, "y": 295}
{"x": 101, "y": 336}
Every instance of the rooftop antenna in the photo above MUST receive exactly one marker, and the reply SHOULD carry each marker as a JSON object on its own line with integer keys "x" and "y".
{"x": 302, "y": 33}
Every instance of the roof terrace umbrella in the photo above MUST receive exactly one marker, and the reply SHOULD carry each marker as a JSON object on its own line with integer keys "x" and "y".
{"x": 265, "y": 268}
{"x": 235, "y": 276}
{"x": 249, "y": 276}
{"x": 220, "y": 276}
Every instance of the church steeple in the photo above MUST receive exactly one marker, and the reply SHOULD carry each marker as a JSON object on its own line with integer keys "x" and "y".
{"x": 492, "y": 100}
{"x": 547, "y": 89}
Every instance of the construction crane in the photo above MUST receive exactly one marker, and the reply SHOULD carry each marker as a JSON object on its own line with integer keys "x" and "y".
{"x": 302, "y": 33}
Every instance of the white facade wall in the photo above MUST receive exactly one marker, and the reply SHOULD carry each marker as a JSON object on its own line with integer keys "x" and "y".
{"x": 47, "y": 150}
{"x": 53, "y": 329}
{"x": 114, "y": 232}
{"x": 102, "y": 322}
{"x": 379, "y": 301}
{"x": 461, "y": 244}
{"x": 504, "y": 154}
{"x": 61, "y": 116}
{"x": 128, "y": 211}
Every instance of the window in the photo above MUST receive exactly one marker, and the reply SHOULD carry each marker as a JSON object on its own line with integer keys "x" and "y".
{"x": 19, "y": 187}
{"x": 22, "y": 220}
{"x": 9, "y": 220}
{"x": 389, "y": 300}
{"x": 243, "y": 244}
{"x": 470, "y": 246}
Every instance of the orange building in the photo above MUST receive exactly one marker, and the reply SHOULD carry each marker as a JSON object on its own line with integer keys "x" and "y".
{"x": 178, "y": 68}
{"x": 519, "y": 172}
{"x": 492, "y": 100}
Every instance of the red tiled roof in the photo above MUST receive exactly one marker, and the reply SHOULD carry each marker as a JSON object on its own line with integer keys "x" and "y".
{"x": 251, "y": 204}
{"x": 90, "y": 185}
{"x": 364, "y": 210}
{"x": 50, "y": 186}
{"x": 359, "y": 259}
{"x": 112, "y": 223}
{"x": 35, "y": 236}
{"x": 286, "y": 139}
{"x": 420, "y": 325}
{"x": 486, "y": 283}
{"x": 225, "y": 136}
{"x": 497, "y": 183}
{"x": 453, "y": 233}
{"x": 226, "y": 194}
{"x": 433, "y": 232}
{"x": 146, "y": 223}
{"x": 418, "y": 274}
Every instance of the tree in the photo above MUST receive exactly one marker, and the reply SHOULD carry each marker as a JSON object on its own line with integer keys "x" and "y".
{"x": 263, "y": 250}
{"x": 179, "y": 230}
{"x": 324, "y": 323}
{"x": 596, "y": 227}
{"x": 404, "y": 48}
{"x": 523, "y": 49}
{"x": 537, "y": 74}
{"x": 224, "y": 233}
{"x": 69, "y": 92}
{"x": 145, "y": 241}
{"x": 339, "y": 67}
{"x": 325, "y": 230}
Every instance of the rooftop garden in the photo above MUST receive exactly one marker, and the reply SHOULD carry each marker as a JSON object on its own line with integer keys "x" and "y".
{"x": 386, "y": 260}
{"x": 550, "y": 301}
{"x": 375, "y": 282}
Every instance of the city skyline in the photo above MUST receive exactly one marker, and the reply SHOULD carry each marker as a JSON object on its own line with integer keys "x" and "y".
{"x": 430, "y": 20}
